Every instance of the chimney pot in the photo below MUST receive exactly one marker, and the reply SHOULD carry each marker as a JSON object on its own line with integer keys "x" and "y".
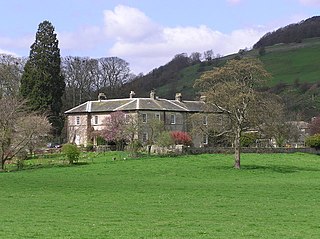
{"x": 132, "y": 94}
{"x": 102, "y": 96}
{"x": 179, "y": 97}
{"x": 153, "y": 94}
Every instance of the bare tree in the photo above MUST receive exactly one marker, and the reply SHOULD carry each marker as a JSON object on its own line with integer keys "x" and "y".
{"x": 19, "y": 130}
{"x": 231, "y": 89}
{"x": 79, "y": 76}
{"x": 113, "y": 73}
{"x": 11, "y": 69}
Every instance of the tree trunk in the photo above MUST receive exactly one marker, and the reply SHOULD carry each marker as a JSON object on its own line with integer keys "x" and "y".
{"x": 237, "y": 149}
{"x": 2, "y": 165}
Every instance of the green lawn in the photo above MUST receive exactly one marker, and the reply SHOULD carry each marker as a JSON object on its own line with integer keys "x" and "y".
{"x": 273, "y": 196}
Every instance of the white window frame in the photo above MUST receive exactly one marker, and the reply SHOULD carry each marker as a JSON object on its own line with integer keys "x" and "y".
{"x": 205, "y": 120}
{"x": 144, "y": 118}
{"x": 172, "y": 119}
{"x": 205, "y": 139}
{"x": 145, "y": 136}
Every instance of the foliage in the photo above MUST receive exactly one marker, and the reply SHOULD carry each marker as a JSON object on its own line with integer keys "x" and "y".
{"x": 134, "y": 147}
{"x": 313, "y": 141}
{"x": 19, "y": 129}
{"x": 248, "y": 139}
{"x": 308, "y": 28}
{"x": 314, "y": 126}
{"x": 89, "y": 147}
{"x": 11, "y": 69}
{"x": 42, "y": 83}
{"x": 180, "y": 137}
{"x": 165, "y": 139}
{"x": 231, "y": 90}
{"x": 130, "y": 199}
{"x": 119, "y": 128}
{"x": 72, "y": 152}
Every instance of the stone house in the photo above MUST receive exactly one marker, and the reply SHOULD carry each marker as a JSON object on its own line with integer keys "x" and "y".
{"x": 90, "y": 116}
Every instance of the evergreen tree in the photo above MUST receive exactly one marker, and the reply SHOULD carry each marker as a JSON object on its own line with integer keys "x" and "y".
{"x": 42, "y": 83}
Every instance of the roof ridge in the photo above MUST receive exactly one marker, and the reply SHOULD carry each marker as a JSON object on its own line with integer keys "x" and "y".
{"x": 132, "y": 100}
{"x": 172, "y": 102}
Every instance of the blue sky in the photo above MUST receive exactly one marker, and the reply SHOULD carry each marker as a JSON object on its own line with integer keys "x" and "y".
{"x": 147, "y": 33}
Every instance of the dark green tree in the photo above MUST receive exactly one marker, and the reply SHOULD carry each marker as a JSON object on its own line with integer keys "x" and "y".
{"x": 42, "y": 83}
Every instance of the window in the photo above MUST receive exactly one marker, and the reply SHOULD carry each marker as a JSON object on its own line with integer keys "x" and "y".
{"x": 96, "y": 119}
{"x": 205, "y": 139}
{"x": 157, "y": 116}
{"x": 205, "y": 120}
{"x": 145, "y": 137}
{"x": 173, "y": 119}
{"x": 78, "y": 120}
{"x": 144, "y": 118}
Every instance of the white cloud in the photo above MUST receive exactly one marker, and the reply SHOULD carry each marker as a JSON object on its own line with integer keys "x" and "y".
{"x": 7, "y": 52}
{"x": 84, "y": 38}
{"x": 127, "y": 23}
{"x": 147, "y": 45}
{"x": 310, "y": 2}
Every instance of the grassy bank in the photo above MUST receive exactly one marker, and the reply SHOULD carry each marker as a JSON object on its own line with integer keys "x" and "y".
{"x": 273, "y": 196}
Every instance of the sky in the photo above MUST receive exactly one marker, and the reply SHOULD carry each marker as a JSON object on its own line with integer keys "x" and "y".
{"x": 147, "y": 33}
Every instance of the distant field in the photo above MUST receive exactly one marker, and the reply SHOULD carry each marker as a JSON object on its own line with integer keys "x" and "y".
{"x": 273, "y": 196}
{"x": 288, "y": 63}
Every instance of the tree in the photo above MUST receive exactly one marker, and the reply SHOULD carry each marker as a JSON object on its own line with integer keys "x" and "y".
{"x": 80, "y": 75}
{"x": 42, "y": 83}
{"x": 231, "y": 90}
{"x": 119, "y": 128}
{"x": 314, "y": 126}
{"x": 113, "y": 73}
{"x": 11, "y": 69}
{"x": 19, "y": 129}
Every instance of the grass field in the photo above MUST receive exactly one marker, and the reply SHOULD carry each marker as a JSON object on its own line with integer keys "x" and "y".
{"x": 273, "y": 196}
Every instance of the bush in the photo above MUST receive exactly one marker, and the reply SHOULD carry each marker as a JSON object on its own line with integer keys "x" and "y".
{"x": 313, "y": 141}
{"x": 72, "y": 152}
{"x": 180, "y": 137}
{"x": 89, "y": 147}
{"x": 248, "y": 140}
{"x": 134, "y": 147}
{"x": 165, "y": 139}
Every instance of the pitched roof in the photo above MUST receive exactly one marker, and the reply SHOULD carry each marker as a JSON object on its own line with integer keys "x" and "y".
{"x": 131, "y": 104}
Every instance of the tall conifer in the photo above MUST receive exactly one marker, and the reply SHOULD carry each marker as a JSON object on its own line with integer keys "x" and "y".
{"x": 42, "y": 83}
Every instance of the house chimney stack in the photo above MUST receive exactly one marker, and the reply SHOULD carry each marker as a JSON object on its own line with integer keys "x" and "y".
{"x": 102, "y": 96}
{"x": 132, "y": 94}
{"x": 203, "y": 98}
{"x": 179, "y": 97}
{"x": 153, "y": 94}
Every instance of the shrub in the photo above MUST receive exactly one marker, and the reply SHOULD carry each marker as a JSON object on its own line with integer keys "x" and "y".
{"x": 165, "y": 139}
{"x": 134, "y": 147}
{"x": 89, "y": 147}
{"x": 313, "y": 141}
{"x": 180, "y": 137}
{"x": 248, "y": 139}
{"x": 72, "y": 152}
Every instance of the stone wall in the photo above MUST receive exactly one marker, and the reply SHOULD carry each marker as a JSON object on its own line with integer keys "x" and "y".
{"x": 191, "y": 150}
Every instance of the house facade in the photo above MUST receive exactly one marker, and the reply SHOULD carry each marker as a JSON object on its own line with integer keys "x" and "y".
{"x": 90, "y": 116}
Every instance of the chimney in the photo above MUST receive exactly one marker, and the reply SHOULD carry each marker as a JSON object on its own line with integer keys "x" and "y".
{"x": 102, "y": 96}
{"x": 132, "y": 94}
{"x": 153, "y": 94}
{"x": 203, "y": 98}
{"x": 179, "y": 97}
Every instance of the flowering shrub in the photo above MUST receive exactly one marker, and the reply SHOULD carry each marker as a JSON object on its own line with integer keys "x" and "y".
{"x": 180, "y": 137}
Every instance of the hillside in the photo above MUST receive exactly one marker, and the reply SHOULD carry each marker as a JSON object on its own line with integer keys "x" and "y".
{"x": 293, "y": 33}
{"x": 294, "y": 69}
